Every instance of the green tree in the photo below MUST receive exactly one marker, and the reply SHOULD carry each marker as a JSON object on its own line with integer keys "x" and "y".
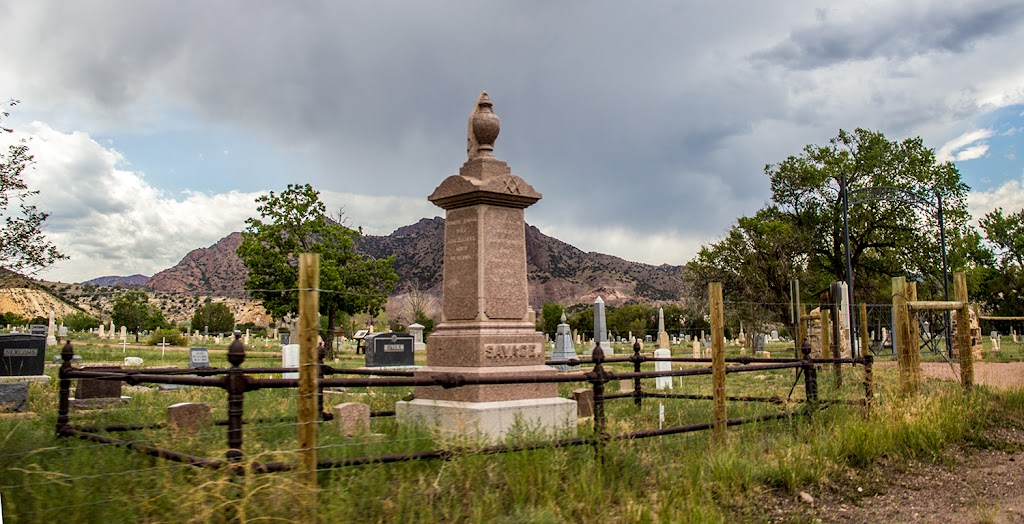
{"x": 637, "y": 319}
{"x": 755, "y": 262}
{"x": 581, "y": 320}
{"x": 216, "y": 316}
{"x": 550, "y": 317}
{"x": 294, "y": 222}
{"x": 799, "y": 234}
{"x": 424, "y": 320}
{"x": 1001, "y": 281}
{"x": 134, "y": 311}
{"x": 22, "y": 244}
{"x": 80, "y": 321}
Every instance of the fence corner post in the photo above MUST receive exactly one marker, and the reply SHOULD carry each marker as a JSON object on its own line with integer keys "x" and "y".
{"x": 963, "y": 332}
{"x": 309, "y": 282}
{"x": 869, "y": 380}
{"x": 717, "y": 359}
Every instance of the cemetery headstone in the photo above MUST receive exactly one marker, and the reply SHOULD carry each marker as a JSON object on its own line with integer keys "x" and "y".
{"x": 51, "y": 332}
{"x": 416, "y": 330}
{"x": 696, "y": 348}
{"x": 663, "y": 382}
{"x": 758, "y": 343}
{"x": 648, "y": 339}
{"x": 188, "y": 416}
{"x": 134, "y": 362}
{"x": 600, "y": 329}
{"x": 352, "y": 419}
{"x": 564, "y": 348}
{"x": 286, "y": 338}
{"x": 22, "y": 359}
{"x": 22, "y": 355}
{"x": 584, "y": 398}
{"x": 390, "y": 349}
{"x": 62, "y": 332}
{"x": 95, "y": 392}
{"x": 198, "y": 357}
{"x": 774, "y": 336}
{"x": 289, "y": 358}
{"x": 485, "y": 328}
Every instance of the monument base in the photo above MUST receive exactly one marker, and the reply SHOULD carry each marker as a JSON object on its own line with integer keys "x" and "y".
{"x": 494, "y": 420}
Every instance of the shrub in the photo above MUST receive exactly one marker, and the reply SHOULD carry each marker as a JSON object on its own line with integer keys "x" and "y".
{"x": 172, "y": 336}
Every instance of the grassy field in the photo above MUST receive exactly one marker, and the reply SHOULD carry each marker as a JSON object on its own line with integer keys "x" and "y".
{"x": 684, "y": 478}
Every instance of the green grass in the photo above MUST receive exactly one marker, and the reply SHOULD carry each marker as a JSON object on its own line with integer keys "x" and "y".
{"x": 682, "y": 478}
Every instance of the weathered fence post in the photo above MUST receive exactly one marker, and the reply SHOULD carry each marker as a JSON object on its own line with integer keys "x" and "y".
{"x": 901, "y": 335}
{"x": 914, "y": 348}
{"x": 837, "y": 340}
{"x": 963, "y": 331}
{"x": 597, "y": 377}
{"x": 235, "y": 384}
{"x": 865, "y": 341}
{"x": 717, "y": 358}
{"x": 869, "y": 380}
{"x": 64, "y": 402}
{"x": 810, "y": 377}
{"x": 309, "y": 281}
{"x": 826, "y": 334}
{"x": 637, "y": 359}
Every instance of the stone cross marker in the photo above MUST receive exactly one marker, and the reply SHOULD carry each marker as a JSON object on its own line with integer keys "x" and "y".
{"x": 485, "y": 328}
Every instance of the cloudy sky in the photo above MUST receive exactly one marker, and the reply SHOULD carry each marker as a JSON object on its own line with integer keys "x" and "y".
{"x": 645, "y": 125}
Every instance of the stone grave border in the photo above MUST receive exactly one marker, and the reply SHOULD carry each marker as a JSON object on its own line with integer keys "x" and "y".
{"x": 236, "y": 381}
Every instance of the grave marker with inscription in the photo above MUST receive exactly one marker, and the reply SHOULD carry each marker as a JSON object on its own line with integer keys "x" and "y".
{"x": 485, "y": 327}
{"x": 390, "y": 349}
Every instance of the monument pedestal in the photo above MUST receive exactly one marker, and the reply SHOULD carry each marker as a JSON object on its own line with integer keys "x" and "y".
{"x": 485, "y": 327}
{"x": 492, "y": 420}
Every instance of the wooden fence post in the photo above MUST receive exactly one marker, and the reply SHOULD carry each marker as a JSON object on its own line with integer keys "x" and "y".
{"x": 717, "y": 358}
{"x": 865, "y": 341}
{"x": 826, "y": 334}
{"x": 309, "y": 297}
{"x": 901, "y": 335}
{"x": 914, "y": 354}
{"x": 963, "y": 331}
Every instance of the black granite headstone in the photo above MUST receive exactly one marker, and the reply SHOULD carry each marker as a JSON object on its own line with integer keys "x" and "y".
{"x": 390, "y": 349}
{"x": 22, "y": 354}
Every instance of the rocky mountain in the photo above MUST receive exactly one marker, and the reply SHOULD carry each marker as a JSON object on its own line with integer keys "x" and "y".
{"x": 135, "y": 280}
{"x": 557, "y": 271}
{"x": 214, "y": 270}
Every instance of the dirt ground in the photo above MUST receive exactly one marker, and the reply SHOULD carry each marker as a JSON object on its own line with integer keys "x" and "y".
{"x": 1003, "y": 375}
{"x": 983, "y": 484}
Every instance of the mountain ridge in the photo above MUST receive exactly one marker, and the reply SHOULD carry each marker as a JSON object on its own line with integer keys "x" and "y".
{"x": 556, "y": 270}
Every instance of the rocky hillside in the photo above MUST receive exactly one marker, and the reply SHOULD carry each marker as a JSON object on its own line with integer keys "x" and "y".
{"x": 30, "y": 299}
{"x": 557, "y": 271}
{"x": 214, "y": 270}
{"x": 136, "y": 281}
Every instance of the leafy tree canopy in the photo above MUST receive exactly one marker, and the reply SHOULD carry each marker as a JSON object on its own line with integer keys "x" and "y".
{"x": 23, "y": 248}
{"x": 799, "y": 234}
{"x": 215, "y": 316}
{"x": 134, "y": 311}
{"x": 295, "y": 221}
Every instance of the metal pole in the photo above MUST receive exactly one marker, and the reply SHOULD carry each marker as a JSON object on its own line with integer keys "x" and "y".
{"x": 849, "y": 266}
{"x": 945, "y": 274}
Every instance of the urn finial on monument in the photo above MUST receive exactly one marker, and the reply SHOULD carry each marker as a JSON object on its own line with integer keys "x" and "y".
{"x": 484, "y": 127}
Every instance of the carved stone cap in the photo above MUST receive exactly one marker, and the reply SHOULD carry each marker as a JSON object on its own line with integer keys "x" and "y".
{"x": 497, "y": 187}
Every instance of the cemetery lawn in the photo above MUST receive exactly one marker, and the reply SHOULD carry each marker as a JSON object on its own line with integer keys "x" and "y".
{"x": 756, "y": 474}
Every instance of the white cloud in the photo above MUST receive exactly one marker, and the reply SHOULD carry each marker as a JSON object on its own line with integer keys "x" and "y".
{"x": 958, "y": 150}
{"x": 110, "y": 220}
{"x": 1009, "y": 196}
{"x": 654, "y": 248}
